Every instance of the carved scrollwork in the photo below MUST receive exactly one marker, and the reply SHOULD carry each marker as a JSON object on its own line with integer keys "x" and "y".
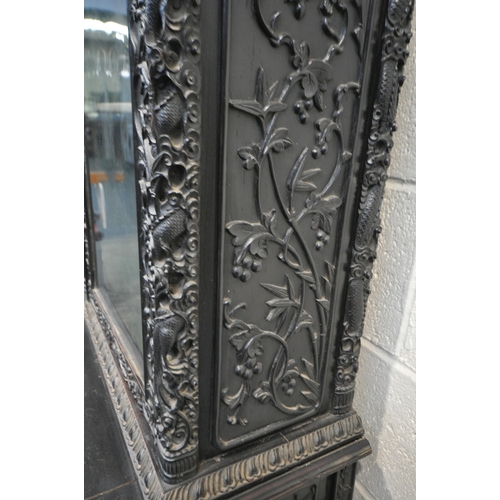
{"x": 394, "y": 54}
{"x": 166, "y": 53}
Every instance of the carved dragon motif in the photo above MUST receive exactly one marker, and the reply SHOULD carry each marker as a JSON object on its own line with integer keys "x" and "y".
{"x": 166, "y": 52}
{"x": 393, "y": 57}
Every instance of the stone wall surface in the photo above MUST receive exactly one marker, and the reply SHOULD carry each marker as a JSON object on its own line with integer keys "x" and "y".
{"x": 385, "y": 395}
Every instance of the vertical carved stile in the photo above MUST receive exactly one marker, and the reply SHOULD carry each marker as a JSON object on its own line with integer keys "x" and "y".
{"x": 395, "y": 39}
{"x": 165, "y": 55}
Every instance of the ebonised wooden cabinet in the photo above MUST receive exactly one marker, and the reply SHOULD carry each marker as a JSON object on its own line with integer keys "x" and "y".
{"x": 251, "y": 141}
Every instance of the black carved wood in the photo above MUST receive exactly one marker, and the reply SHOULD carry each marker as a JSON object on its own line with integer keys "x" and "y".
{"x": 395, "y": 37}
{"x": 166, "y": 92}
{"x": 262, "y": 220}
{"x": 286, "y": 181}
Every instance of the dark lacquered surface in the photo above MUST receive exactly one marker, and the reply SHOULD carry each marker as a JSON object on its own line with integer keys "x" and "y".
{"x": 109, "y": 473}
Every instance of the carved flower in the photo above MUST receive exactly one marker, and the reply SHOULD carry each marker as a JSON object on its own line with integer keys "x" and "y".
{"x": 191, "y": 296}
{"x": 192, "y": 243}
{"x": 192, "y": 145}
{"x": 193, "y": 208}
{"x": 191, "y": 79}
{"x": 193, "y": 44}
{"x": 193, "y": 109}
{"x": 175, "y": 199}
{"x": 192, "y": 180}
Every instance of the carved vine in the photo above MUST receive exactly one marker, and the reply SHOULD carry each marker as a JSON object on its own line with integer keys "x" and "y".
{"x": 166, "y": 48}
{"x": 395, "y": 39}
{"x": 252, "y": 241}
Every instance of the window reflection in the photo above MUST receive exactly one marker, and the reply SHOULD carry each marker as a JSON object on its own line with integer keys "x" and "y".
{"x": 110, "y": 160}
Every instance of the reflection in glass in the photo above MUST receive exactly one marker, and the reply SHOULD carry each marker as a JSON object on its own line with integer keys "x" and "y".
{"x": 110, "y": 159}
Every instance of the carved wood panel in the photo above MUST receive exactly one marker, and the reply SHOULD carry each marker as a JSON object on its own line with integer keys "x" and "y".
{"x": 294, "y": 82}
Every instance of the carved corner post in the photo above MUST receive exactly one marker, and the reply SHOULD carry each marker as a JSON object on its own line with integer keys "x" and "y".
{"x": 165, "y": 52}
{"x": 395, "y": 38}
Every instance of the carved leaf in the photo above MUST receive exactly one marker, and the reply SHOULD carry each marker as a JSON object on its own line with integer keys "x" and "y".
{"x": 329, "y": 279}
{"x": 311, "y": 384}
{"x": 259, "y": 87}
{"x": 251, "y": 236}
{"x": 256, "y": 106}
{"x": 245, "y": 343}
{"x": 309, "y": 368}
{"x": 239, "y": 340}
{"x": 270, "y": 220}
{"x": 281, "y": 303}
{"x": 279, "y": 141}
{"x": 286, "y": 299}
{"x": 234, "y": 400}
{"x": 292, "y": 180}
{"x": 318, "y": 101}
{"x": 275, "y": 313}
{"x": 278, "y": 291}
{"x": 305, "y": 186}
{"x": 271, "y": 91}
{"x": 309, "y": 173}
{"x": 275, "y": 107}
{"x": 305, "y": 319}
{"x": 250, "y": 156}
{"x": 251, "y": 107}
{"x": 322, "y": 70}
{"x": 307, "y": 275}
{"x": 325, "y": 303}
{"x": 323, "y": 207}
{"x": 310, "y": 397}
{"x": 309, "y": 84}
{"x": 263, "y": 393}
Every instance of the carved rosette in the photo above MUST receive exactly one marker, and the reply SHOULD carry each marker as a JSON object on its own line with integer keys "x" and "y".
{"x": 165, "y": 61}
{"x": 394, "y": 54}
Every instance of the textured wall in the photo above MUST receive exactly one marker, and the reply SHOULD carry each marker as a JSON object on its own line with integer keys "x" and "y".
{"x": 385, "y": 395}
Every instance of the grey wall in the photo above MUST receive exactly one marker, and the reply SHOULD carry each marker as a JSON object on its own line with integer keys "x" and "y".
{"x": 385, "y": 395}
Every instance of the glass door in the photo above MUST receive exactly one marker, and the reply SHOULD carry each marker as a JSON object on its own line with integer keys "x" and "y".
{"x": 110, "y": 163}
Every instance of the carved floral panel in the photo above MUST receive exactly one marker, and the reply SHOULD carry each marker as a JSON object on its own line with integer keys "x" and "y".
{"x": 293, "y": 88}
